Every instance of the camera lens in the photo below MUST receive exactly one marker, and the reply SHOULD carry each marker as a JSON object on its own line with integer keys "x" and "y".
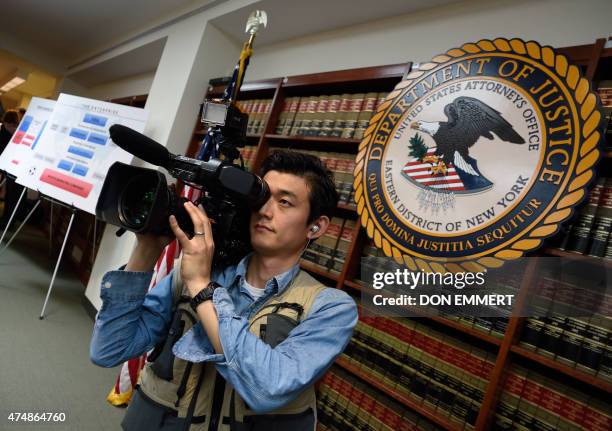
{"x": 136, "y": 201}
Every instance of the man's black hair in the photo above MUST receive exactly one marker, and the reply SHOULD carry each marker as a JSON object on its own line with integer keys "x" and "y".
{"x": 323, "y": 196}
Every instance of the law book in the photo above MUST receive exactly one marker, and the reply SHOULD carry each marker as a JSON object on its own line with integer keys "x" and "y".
{"x": 608, "y": 253}
{"x": 343, "y": 175}
{"x": 341, "y": 115}
{"x": 262, "y": 114}
{"x": 550, "y": 337}
{"x": 254, "y": 116}
{"x": 592, "y": 348}
{"x": 579, "y": 236}
{"x": 251, "y": 108}
{"x": 316, "y": 125}
{"x": 329, "y": 116}
{"x": 363, "y": 119}
{"x": 571, "y": 341}
{"x": 328, "y": 243}
{"x": 350, "y": 122}
{"x": 605, "y": 366}
{"x": 602, "y": 224}
{"x": 283, "y": 117}
{"x": 264, "y": 117}
{"x": 309, "y": 115}
{"x": 292, "y": 107}
{"x": 299, "y": 116}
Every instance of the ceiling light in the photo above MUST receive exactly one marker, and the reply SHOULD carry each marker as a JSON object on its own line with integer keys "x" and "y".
{"x": 13, "y": 80}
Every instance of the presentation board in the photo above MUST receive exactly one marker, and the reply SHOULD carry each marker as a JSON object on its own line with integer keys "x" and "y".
{"x": 74, "y": 151}
{"x": 25, "y": 139}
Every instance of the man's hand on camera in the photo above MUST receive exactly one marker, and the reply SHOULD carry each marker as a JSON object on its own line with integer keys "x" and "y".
{"x": 148, "y": 249}
{"x": 197, "y": 251}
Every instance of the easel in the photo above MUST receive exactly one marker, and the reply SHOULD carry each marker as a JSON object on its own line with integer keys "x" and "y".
{"x": 53, "y": 202}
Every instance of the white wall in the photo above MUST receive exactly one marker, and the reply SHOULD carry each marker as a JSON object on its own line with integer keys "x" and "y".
{"x": 419, "y": 36}
{"x": 130, "y": 86}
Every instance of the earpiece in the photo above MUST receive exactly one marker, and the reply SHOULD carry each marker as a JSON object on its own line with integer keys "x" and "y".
{"x": 315, "y": 229}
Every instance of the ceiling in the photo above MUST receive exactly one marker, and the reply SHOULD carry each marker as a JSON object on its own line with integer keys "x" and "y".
{"x": 288, "y": 19}
{"x": 141, "y": 60}
{"x": 71, "y": 30}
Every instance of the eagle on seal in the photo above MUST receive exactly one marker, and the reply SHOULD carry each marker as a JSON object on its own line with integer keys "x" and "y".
{"x": 468, "y": 120}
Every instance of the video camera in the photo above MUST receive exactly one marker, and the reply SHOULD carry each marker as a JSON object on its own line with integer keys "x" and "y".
{"x": 139, "y": 199}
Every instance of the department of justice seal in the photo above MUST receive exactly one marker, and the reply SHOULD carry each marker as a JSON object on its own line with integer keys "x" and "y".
{"x": 478, "y": 156}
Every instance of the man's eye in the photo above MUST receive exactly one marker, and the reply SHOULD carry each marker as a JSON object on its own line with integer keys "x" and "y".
{"x": 285, "y": 202}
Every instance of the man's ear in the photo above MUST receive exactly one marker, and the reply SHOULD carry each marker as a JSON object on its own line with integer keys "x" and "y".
{"x": 318, "y": 227}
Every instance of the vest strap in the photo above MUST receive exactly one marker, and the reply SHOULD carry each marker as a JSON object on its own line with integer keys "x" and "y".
{"x": 167, "y": 410}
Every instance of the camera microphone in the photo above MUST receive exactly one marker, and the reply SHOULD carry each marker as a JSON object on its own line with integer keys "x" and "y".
{"x": 140, "y": 145}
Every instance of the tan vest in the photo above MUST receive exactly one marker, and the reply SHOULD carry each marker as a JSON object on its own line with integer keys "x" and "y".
{"x": 303, "y": 291}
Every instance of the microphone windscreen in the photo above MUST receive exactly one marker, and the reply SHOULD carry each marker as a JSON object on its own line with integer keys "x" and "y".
{"x": 140, "y": 145}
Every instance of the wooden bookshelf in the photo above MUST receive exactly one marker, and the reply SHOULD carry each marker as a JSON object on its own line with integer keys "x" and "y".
{"x": 323, "y": 139}
{"x": 407, "y": 401}
{"x": 574, "y": 255}
{"x": 563, "y": 369}
{"x": 311, "y": 267}
{"x": 592, "y": 58}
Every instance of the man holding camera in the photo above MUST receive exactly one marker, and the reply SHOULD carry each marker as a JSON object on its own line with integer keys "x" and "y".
{"x": 236, "y": 349}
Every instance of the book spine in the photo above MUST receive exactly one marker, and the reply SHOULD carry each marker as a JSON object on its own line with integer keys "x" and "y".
{"x": 367, "y": 109}
{"x": 351, "y": 116}
{"x": 265, "y": 112}
{"x": 282, "y": 118}
{"x": 294, "y": 103}
{"x": 602, "y": 224}
{"x": 309, "y": 115}
{"x": 299, "y": 116}
{"x": 341, "y": 116}
{"x": 317, "y": 122}
{"x": 330, "y": 115}
{"x": 579, "y": 236}
{"x": 257, "y": 105}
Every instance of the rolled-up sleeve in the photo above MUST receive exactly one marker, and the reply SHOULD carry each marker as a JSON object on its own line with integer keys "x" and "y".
{"x": 130, "y": 321}
{"x": 267, "y": 378}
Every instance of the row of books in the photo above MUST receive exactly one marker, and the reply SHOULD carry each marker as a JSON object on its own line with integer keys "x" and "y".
{"x": 442, "y": 373}
{"x": 248, "y": 156}
{"x": 258, "y": 110}
{"x": 346, "y": 403}
{"x": 342, "y": 165}
{"x": 532, "y": 401}
{"x": 591, "y": 231}
{"x": 572, "y": 326}
{"x": 330, "y": 250}
{"x": 344, "y": 116}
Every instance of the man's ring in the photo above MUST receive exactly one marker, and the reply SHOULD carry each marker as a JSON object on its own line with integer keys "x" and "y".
{"x": 199, "y": 233}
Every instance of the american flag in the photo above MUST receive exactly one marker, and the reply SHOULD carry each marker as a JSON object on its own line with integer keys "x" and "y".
{"x": 121, "y": 393}
{"x": 433, "y": 174}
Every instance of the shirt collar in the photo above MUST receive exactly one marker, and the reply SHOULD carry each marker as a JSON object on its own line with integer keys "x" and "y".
{"x": 279, "y": 282}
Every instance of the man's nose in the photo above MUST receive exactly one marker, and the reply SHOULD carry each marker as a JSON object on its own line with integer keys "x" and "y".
{"x": 266, "y": 209}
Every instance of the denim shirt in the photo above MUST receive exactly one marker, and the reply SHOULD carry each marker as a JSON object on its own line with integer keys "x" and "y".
{"x": 132, "y": 321}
